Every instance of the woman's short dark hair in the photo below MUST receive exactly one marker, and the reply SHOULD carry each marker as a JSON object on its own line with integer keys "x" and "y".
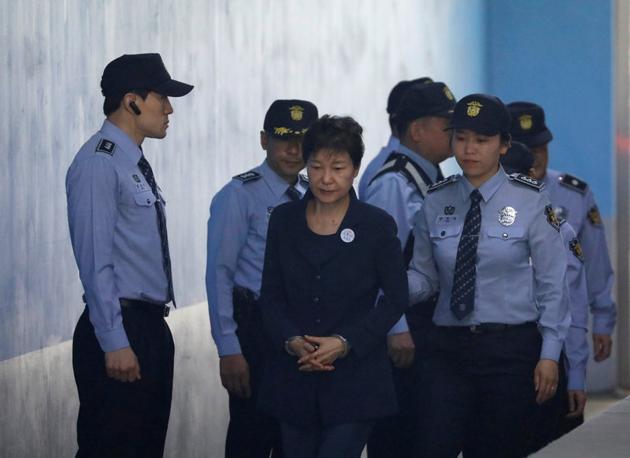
{"x": 338, "y": 133}
{"x": 112, "y": 102}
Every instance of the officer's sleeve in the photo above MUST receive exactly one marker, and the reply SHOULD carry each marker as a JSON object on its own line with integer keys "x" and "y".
{"x": 92, "y": 191}
{"x": 364, "y": 335}
{"x": 422, "y": 274}
{"x": 549, "y": 261}
{"x": 393, "y": 194}
{"x": 273, "y": 301}
{"x": 575, "y": 346}
{"x": 599, "y": 272}
{"x": 227, "y": 233}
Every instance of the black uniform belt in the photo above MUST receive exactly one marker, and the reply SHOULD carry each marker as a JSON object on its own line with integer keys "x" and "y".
{"x": 485, "y": 328}
{"x": 149, "y": 307}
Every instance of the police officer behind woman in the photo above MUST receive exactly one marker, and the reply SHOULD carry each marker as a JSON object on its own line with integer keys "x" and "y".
{"x": 573, "y": 200}
{"x": 565, "y": 411}
{"x": 237, "y": 232}
{"x": 327, "y": 257}
{"x": 482, "y": 238}
{"x": 122, "y": 347}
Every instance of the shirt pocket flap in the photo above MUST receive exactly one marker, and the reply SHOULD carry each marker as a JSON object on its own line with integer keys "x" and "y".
{"x": 506, "y": 233}
{"x": 442, "y": 232}
{"x": 144, "y": 199}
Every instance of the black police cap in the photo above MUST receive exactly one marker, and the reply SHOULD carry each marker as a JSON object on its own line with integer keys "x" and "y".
{"x": 528, "y": 124}
{"x": 481, "y": 113}
{"x": 289, "y": 117}
{"x": 399, "y": 90}
{"x": 140, "y": 71}
{"x": 517, "y": 159}
{"x": 431, "y": 99}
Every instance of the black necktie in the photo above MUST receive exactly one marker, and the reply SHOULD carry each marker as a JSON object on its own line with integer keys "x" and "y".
{"x": 463, "y": 292}
{"x": 146, "y": 170}
{"x": 293, "y": 193}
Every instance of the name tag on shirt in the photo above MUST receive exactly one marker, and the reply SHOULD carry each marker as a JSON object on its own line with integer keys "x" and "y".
{"x": 446, "y": 220}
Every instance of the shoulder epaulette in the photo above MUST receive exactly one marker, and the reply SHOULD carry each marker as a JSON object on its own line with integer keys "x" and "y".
{"x": 105, "y": 146}
{"x": 572, "y": 182}
{"x": 444, "y": 182}
{"x": 248, "y": 176}
{"x": 527, "y": 181}
{"x": 397, "y": 162}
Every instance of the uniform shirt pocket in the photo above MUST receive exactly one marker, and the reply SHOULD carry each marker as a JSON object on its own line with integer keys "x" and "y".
{"x": 507, "y": 245}
{"x": 444, "y": 240}
{"x": 144, "y": 198}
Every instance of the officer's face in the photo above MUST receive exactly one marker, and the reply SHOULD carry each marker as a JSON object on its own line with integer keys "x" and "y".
{"x": 437, "y": 138}
{"x": 283, "y": 156}
{"x": 541, "y": 159}
{"x": 330, "y": 174}
{"x": 153, "y": 120}
{"x": 477, "y": 155}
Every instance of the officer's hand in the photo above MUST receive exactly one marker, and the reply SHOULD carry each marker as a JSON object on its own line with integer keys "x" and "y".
{"x": 602, "y": 346}
{"x": 322, "y": 359}
{"x": 401, "y": 349}
{"x": 577, "y": 402}
{"x": 545, "y": 380}
{"x": 122, "y": 365}
{"x": 234, "y": 372}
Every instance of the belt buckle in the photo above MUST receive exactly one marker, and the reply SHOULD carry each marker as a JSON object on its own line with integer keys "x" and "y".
{"x": 167, "y": 310}
{"x": 475, "y": 329}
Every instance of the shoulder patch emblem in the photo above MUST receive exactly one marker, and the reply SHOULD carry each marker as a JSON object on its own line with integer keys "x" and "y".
{"x": 576, "y": 249}
{"x": 594, "y": 217}
{"x": 444, "y": 182}
{"x": 248, "y": 176}
{"x": 552, "y": 219}
{"x": 527, "y": 181}
{"x": 572, "y": 182}
{"x": 106, "y": 146}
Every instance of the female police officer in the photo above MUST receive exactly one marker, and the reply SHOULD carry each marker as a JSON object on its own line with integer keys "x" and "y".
{"x": 482, "y": 238}
{"x": 327, "y": 256}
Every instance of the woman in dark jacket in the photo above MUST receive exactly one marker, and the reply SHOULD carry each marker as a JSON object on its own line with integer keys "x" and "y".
{"x": 327, "y": 257}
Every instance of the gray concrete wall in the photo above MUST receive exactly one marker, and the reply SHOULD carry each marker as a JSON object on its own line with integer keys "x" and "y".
{"x": 241, "y": 55}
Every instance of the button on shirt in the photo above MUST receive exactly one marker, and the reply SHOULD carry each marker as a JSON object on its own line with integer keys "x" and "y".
{"x": 237, "y": 235}
{"x": 508, "y": 255}
{"x": 576, "y": 345}
{"x": 114, "y": 232}
{"x": 396, "y": 195}
{"x": 574, "y": 205}
{"x": 375, "y": 164}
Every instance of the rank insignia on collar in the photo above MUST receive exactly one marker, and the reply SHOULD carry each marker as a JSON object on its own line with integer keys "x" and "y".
{"x": 572, "y": 182}
{"x": 449, "y": 210}
{"x": 552, "y": 219}
{"x": 594, "y": 217}
{"x": 576, "y": 249}
{"x": 106, "y": 146}
{"x": 444, "y": 182}
{"x": 526, "y": 180}
{"x": 507, "y": 216}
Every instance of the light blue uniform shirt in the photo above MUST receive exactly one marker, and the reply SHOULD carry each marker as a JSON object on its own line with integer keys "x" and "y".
{"x": 237, "y": 235}
{"x": 575, "y": 345}
{"x": 395, "y": 194}
{"x": 574, "y": 205}
{"x": 375, "y": 164}
{"x": 114, "y": 231}
{"x": 507, "y": 258}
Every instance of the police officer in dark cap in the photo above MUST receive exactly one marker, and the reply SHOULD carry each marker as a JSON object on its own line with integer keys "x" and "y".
{"x": 237, "y": 234}
{"x": 399, "y": 188}
{"x": 393, "y": 100}
{"x": 122, "y": 346}
{"x": 573, "y": 200}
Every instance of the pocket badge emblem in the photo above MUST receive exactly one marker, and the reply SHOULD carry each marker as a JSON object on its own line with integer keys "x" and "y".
{"x": 507, "y": 216}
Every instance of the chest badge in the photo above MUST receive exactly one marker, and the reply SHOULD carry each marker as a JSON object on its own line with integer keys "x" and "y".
{"x": 507, "y": 216}
{"x": 347, "y": 235}
{"x": 449, "y": 210}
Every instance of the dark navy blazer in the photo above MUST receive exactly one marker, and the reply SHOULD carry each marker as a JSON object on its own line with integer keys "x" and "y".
{"x": 333, "y": 295}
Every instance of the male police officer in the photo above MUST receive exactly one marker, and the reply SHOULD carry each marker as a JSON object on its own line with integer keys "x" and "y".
{"x": 393, "y": 101}
{"x": 122, "y": 348}
{"x": 400, "y": 187}
{"x": 573, "y": 200}
{"x": 237, "y": 231}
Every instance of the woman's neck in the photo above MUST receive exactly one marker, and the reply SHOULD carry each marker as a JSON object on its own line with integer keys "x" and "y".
{"x": 325, "y": 218}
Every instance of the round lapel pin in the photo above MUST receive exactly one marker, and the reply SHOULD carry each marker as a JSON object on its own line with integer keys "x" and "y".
{"x": 507, "y": 216}
{"x": 347, "y": 235}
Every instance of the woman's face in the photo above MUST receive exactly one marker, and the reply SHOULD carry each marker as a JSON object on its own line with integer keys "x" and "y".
{"x": 477, "y": 155}
{"x": 330, "y": 174}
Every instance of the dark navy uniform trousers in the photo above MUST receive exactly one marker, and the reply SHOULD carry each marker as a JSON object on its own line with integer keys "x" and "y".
{"x": 117, "y": 419}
